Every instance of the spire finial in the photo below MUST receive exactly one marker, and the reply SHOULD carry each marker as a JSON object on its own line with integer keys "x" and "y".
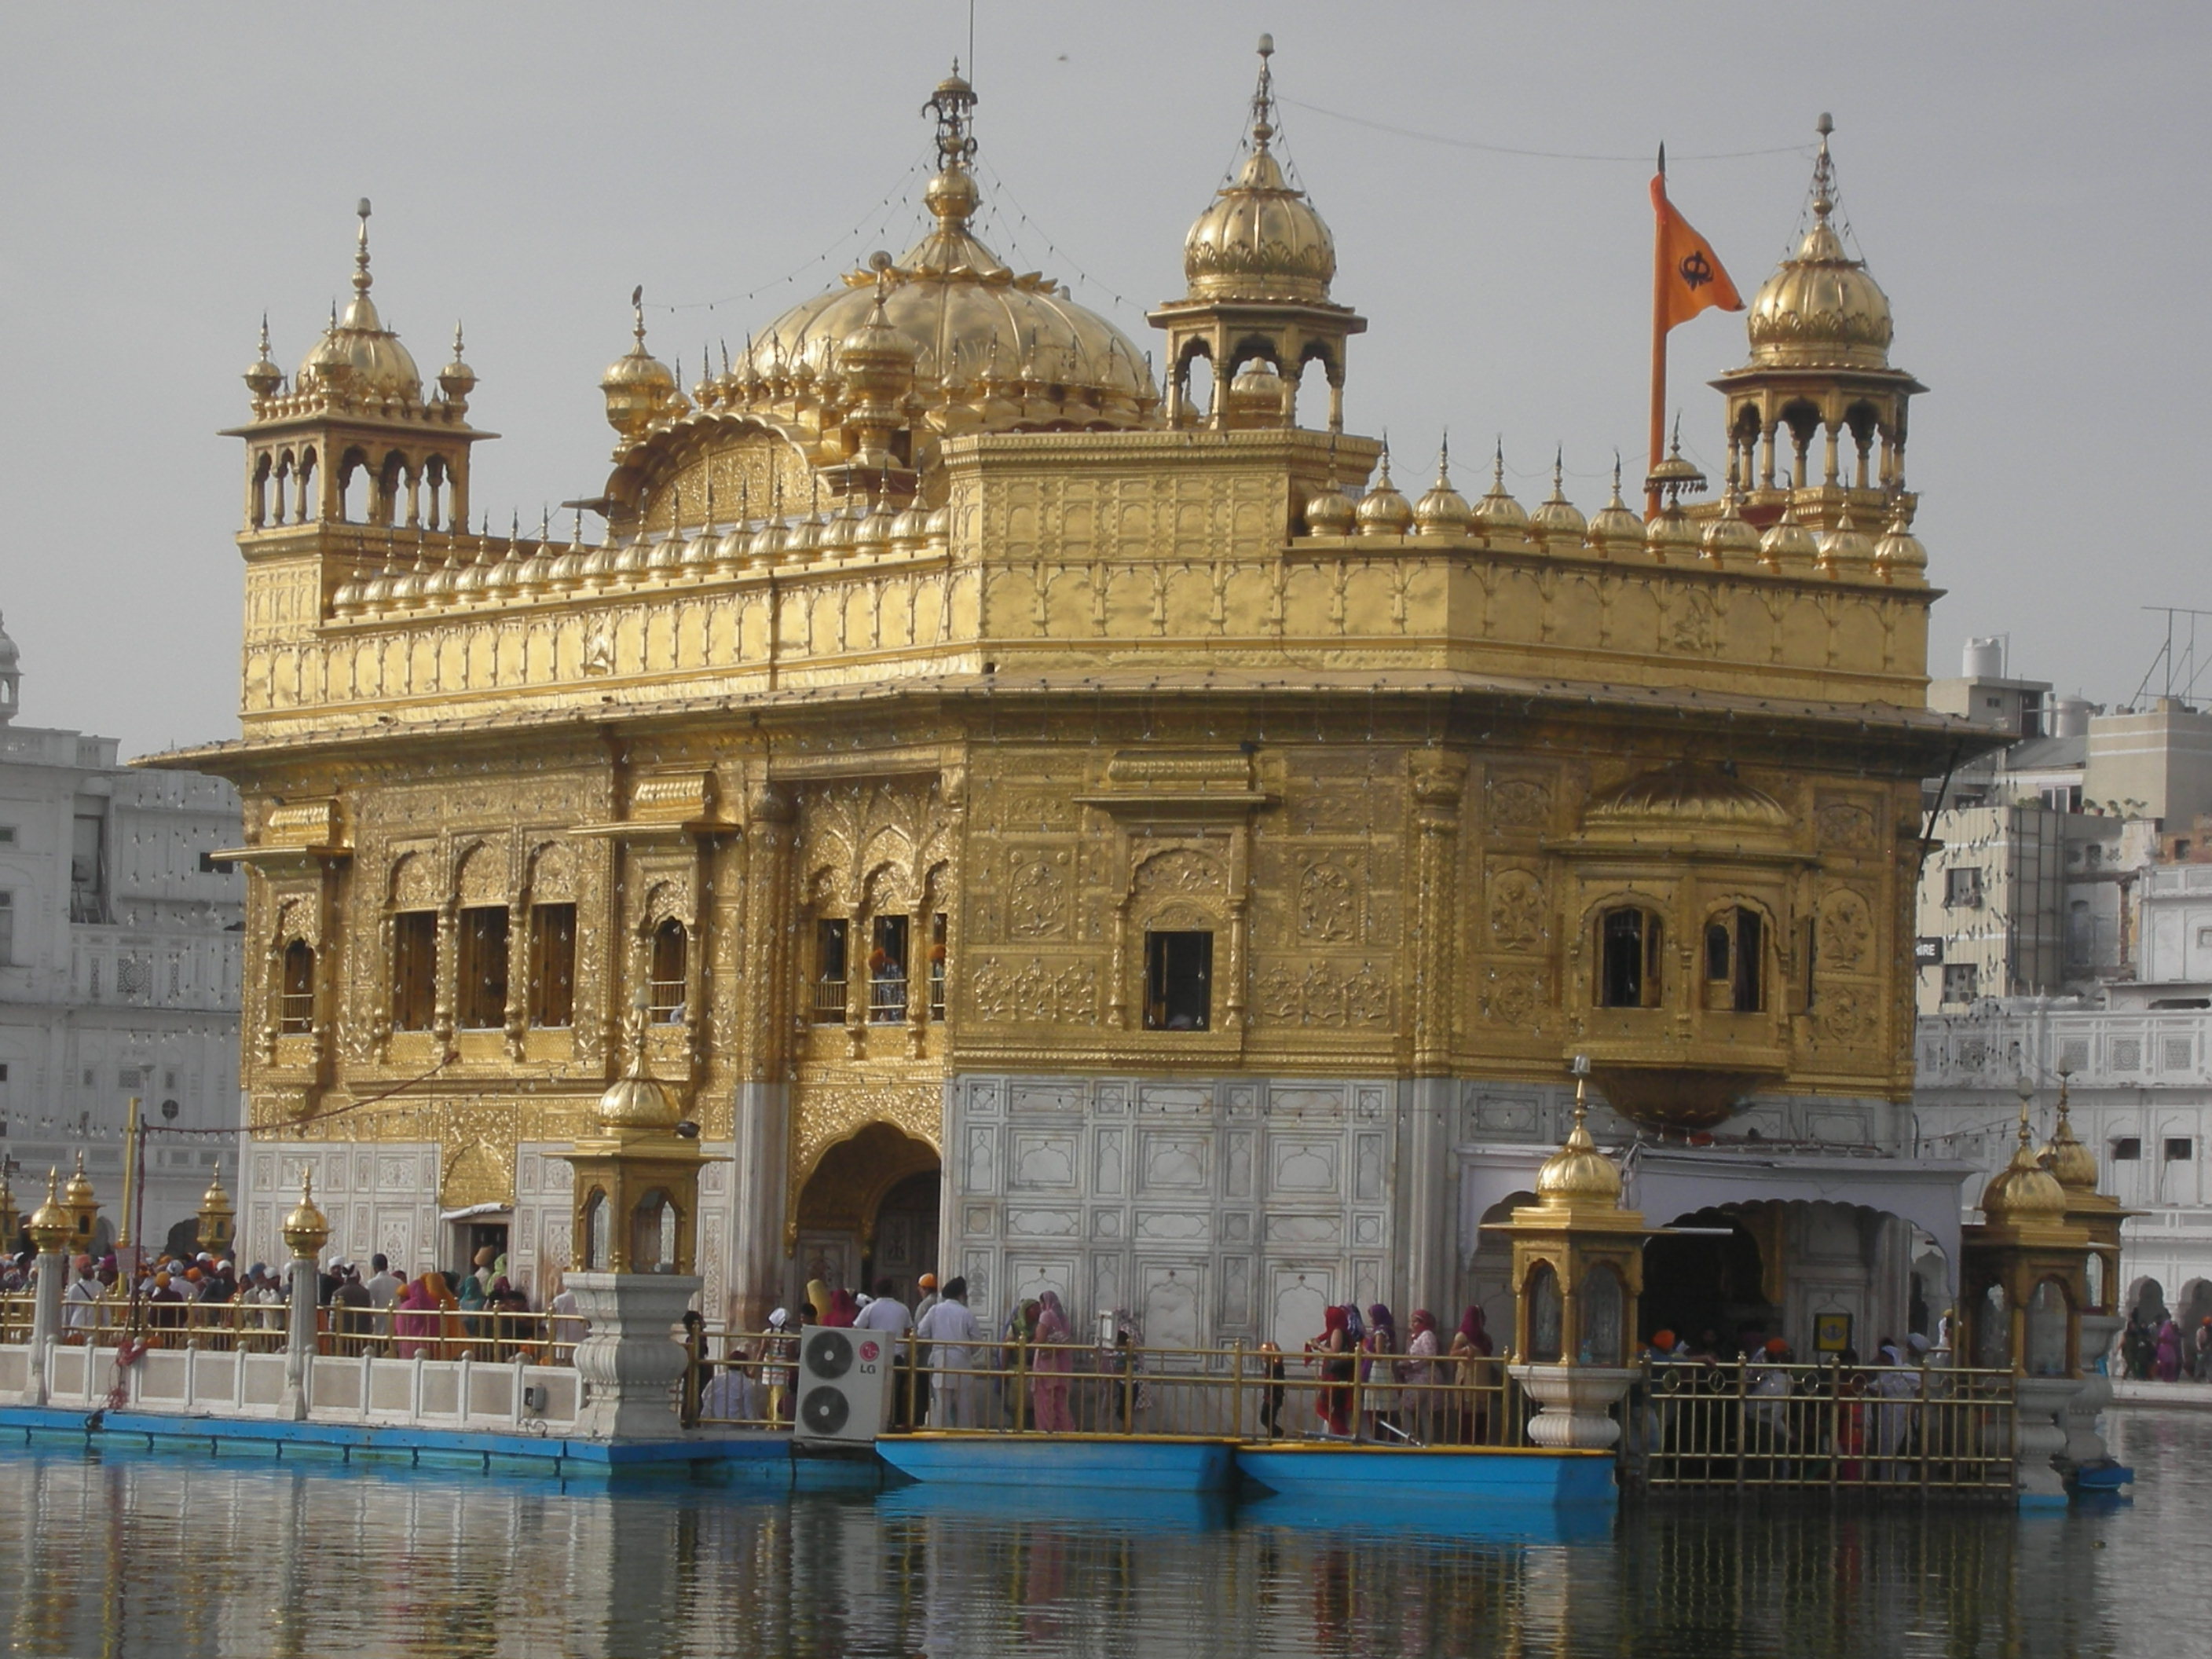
{"x": 1444, "y": 459}
{"x": 1497, "y": 466}
{"x": 1824, "y": 170}
{"x": 1384, "y": 460}
{"x": 953, "y": 105}
{"x": 637, "y": 315}
{"x": 361, "y": 277}
{"x": 265, "y": 336}
{"x": 1559, "y": 472}
{"x": 457, "y": 339}
{"x": 1263, "y": 96}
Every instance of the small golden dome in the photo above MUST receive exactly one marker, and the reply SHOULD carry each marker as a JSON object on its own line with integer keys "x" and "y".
{"x": 1578, "y": 1172}
{"x": 1260, "y": 240}
{"x": 1443, "y": 511}
{"x": 1686, "y": 794}
{"x": 635, "y": 1101}
{"x": 1556, "y": 522}
{"x": 639, "y": 387}
{"x": 78, "y": 1193}
{"x": 1497, "y": 513}
{"x": 1330, "y": 512}
{"x": 806, "y": 536}
{"x": 306, "y": 1230}
{"x": 216, "y": 1200}
{"x": 456, "y": 379}
{"x": 941, "y": 525}
{"x": 1383, "y": 511}
{"x": 1820, "y": 309}
{"x": 2073, "y": 1165}
{"x": 262, "y": 377}
{"x": 357, "y": 354}
{"x": 2023, "y": 1190}
{"x": 874, "y": 534}
{"x": 1788, "y": 546}
{"x": 1899, "y": 556}
{"x": 445, "y": 581}
{"x": 50, "y": 1227}
{"x": 1729, "y": 541}
{"x": 1671, "y": 539}
{"x": 1845, "y": 550}
{"x": 1615, "y": 529}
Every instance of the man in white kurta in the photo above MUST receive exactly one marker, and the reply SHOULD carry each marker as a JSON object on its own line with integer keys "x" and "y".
{"x": 956, "y": 1343}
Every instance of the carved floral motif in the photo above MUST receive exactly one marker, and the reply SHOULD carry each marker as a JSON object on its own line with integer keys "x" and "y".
{"x": 1035, "y": 992}
{"x": 1517, "y": 910}
{"x": 1328, "y": 904}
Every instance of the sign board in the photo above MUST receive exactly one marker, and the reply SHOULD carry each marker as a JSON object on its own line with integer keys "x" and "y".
{"x": 1927, "y": 951}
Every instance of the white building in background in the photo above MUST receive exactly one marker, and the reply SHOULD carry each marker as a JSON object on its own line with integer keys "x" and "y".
{"x": 2065, "y": 927}
{"x": 120, "y": 963}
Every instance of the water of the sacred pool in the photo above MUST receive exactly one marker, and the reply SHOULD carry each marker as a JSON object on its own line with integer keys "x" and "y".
{"x": 173, "y": 1556}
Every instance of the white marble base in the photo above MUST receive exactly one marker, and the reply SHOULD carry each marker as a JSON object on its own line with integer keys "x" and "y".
{"x": 2040, "y": 1400}
{"x": 1574, "y": 1402}
{"x": 629, "y": 1360}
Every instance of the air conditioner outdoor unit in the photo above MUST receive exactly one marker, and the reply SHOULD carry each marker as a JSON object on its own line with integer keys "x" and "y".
{"x": 844, "y": 1384}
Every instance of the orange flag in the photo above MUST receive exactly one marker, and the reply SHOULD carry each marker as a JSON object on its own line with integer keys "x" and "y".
{"x": 1688, "y": 274}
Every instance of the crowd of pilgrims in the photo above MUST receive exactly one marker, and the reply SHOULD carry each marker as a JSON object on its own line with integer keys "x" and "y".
{"x": 2153, "y": 1348}
{"x": 478, "y": 1310}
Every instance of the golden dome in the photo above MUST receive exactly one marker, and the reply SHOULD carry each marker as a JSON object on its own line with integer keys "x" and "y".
{"x": 1383, "y": 511}
{"x": 78, "y": 1193}
{"x": 639, "y": 387}
{"x": 991, "y": 350}
{"x": 1578, "y": 1172}
{"x": 263, "y": 378}
{"x": 635, "y": 1101}
{"x": 1615, "y": 529}
{"x": 1498, "y": 513}
{"x": 1728, "y": 540}
{"x": 2073, "y": 1165}
{"x": 1556, "y": 521}
{"x": 1443, "y": 511}
{"x": 50, "y": 1227}
{"x": 1260, "y": 240}
{"x": 306, "y": 1230}
{"x": 1899, "y": 556}
{"x": 1671, "y": 537}
{"x": 1845, "y": 550}
{"x": 2024, "y": 1190}
{"x": 1821, "y": 309}
{"x": 1684, "y": 794}
{"x": 1788, "y": 546}
{"x": 456, "y": 379}
{"x": 357, "y": 354}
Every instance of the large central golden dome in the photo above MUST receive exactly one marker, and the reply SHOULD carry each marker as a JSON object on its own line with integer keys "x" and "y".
{"x": 993, "y": 349}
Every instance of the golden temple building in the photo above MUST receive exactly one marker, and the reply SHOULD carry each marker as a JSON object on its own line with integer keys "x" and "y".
{"x": 1066, "y": 828}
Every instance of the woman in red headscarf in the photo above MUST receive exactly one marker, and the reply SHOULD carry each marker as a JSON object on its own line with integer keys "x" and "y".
{"x": 844, "y": 1309}
{"x": 424, "y": 1322}
{"x": 1334, "y": 1347}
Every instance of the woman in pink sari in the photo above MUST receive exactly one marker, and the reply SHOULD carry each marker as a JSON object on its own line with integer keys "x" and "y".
{"x": 1050, "y": 1361}
{"x": 419, "y": 1320}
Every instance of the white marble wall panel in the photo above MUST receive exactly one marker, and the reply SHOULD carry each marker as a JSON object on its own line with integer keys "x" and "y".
{"x": 380, "y": 1199}
{"x": 1207, "y": 1210}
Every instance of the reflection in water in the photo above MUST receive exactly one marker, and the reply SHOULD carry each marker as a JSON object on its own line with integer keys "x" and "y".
{"x": 169, "y": 1556}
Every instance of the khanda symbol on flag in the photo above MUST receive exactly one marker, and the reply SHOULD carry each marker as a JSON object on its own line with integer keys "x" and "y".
{"x": 1691, "y": 278}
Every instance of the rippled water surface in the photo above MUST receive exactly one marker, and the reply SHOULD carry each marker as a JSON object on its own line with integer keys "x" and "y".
{"x": 167, "y": 1556}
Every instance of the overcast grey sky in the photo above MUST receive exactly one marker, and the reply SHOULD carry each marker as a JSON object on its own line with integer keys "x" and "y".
{"x": 2026, "y": 180}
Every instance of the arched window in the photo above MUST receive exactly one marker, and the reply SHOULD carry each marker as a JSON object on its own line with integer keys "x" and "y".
{"x": 1735, "y": 942}
{"x": 1603, "y": 1303}
{"x": 1629, "y": 942}
{"x": 653, "y": 1234}
{"x": 295, "y": 994}
{"x": 594, "y": 1245}
{"x": 1545, "y": 1309}
{"x": 887, "y": 972}
{"x": 668, "y": 973}
{"x": 831, "y": 939}
{"x": 2047, "y": 1346}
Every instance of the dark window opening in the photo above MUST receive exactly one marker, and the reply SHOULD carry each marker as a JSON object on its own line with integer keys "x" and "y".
{"x": 2179, "y": 1149}
{"x": 483, "y": 968}
{"x": 830, "y": 964}
{"x": 295, "y": 1003}
{"x": 2126, "y": 1149}
{"x": 1734, "y": 940}
{"x": 414, "y": 970}
{"x": 1178, "y": 981}
{"x": 1628, "y": 966}
{"x": 553, "y": 964}
{"x": 887, "y": 972}
{"x": 668, "y": 973}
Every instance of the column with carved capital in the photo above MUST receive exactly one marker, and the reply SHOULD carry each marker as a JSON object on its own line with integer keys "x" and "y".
{"x": 761, "y": 1113}
{"x": 1427, "y": 1184}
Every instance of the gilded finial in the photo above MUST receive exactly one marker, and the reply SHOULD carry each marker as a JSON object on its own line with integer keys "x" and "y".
{"x": 1824, "y": 170}
{"x": 1560, "y": 473}
{"x": 361, "y": 277}
{"x": 637, "y": 314}
{"x": 1444, "y": 458}
{"x": 1497, "y": 466}
{"x": 1263, "y": 96}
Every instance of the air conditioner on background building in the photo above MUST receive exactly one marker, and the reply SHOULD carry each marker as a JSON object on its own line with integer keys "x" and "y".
{"x": 844, "y": 1384}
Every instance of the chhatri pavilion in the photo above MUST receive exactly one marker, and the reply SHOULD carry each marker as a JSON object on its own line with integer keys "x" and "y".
{"x": 1040, "y": 823}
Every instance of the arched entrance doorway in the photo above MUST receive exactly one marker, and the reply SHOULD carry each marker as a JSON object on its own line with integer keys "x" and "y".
{"x": 1708, "y": 1284}
{"x": 870, "y": 1212}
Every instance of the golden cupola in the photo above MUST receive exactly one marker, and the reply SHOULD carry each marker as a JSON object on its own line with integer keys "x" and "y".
{"x": 2024, "y": 1191}
{"x": 1578, "y": 1175}
{"x": 1257, "y": 267}
{"x": 358, "y": 357}
{"x": 1260, "y": 239}
{"x": 640, "y": 389}
{"x": 1817, "y": 409}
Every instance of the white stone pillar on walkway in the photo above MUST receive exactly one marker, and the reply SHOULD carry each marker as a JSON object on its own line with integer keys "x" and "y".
{"x": 305, "y": 1231}
{"x": 2083, "y": 1443}
{"x": 630, "y": 1360}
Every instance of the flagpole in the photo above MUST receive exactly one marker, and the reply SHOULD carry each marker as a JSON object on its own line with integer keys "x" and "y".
{"x": 1658, "y": 353}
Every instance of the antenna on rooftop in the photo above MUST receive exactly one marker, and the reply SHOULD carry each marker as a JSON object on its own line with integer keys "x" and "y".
{"x": 2182, "y": 668}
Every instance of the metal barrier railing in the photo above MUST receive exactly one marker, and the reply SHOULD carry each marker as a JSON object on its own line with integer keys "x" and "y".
{"x": 750, "y": 1380}
{"x": 252, "y": 1327}
{"x": 1745, "y": 1423}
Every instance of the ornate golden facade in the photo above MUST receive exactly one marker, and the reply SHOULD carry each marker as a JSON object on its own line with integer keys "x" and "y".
{"x": 931, "y": 617}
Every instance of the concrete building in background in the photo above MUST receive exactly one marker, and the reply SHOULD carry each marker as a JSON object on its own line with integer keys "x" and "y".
{"x": 119, "y": 943}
